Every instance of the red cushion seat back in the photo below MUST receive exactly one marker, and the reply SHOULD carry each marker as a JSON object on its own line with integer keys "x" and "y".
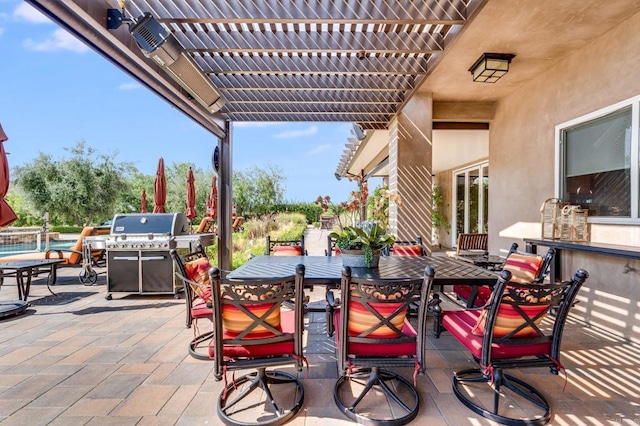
{"x": 287, "y": 251}
{"x": 406, "y": 250}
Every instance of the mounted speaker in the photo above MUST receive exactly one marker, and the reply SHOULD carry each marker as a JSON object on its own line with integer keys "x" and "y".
{"x": 358, "y": 132}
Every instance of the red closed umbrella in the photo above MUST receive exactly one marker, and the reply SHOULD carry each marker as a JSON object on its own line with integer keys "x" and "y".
{"x": 143, "y": 202}
{"x": 212, "y": 200}
{"x": 7, "y": 215}
{"x": 160, "y": 189}
{"x": 191, "y": 196}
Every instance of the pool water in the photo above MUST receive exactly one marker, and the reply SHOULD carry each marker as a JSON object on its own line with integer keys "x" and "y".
{"x": 29, "y": 248}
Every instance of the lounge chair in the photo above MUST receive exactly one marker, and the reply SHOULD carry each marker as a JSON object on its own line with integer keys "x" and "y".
{"x": 72, "y": 256}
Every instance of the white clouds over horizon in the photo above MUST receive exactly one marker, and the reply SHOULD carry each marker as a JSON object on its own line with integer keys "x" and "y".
{"x": 290, "y": 134}
{"x": 320, "y": 149}
{"x": 130, "y": 86}
{"x": 27, "y": 13}
{"x": 59, "y": 39}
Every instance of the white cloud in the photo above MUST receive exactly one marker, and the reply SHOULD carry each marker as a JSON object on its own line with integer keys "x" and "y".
{"x": 25, "y": 12}
{"x": 319, "y": 149}
{"x": 130, "y": 86}
{"x": 289, "y": 134}
{"x": 255, "y": 123}
{"x": 58, "y": 40}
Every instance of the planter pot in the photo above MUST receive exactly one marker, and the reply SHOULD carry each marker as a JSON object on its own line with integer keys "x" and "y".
{"x": 356, "y": 259}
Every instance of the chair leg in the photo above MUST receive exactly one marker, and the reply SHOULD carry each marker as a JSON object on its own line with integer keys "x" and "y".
{"x": 268, "y": 410}
{"x": 529, "y": 398}
{"x": 196, "y": 346}
{"x": 382, "y": 382}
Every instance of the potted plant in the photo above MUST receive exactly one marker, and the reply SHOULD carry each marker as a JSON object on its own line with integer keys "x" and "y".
{"x": 361, "y": 246}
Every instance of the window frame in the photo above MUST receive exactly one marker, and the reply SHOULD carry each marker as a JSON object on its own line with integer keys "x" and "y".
{"x": 559, "y": 171}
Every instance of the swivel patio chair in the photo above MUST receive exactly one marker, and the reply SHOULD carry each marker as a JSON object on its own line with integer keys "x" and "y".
{"x": 373, "y": 335}
{"x": 252, "y": 330}
{"x": 193, "y": 270}
{"x": 524, "y": 267}
{"x": 285, "y": 247}
{"x": 512, "y": 331}
{"x": 332, "y": 248}
{"x": 406, "y": 248}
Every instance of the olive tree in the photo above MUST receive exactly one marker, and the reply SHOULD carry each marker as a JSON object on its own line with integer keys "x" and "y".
{"x": 76, "y": 190}
{"x": 257, "y": 190}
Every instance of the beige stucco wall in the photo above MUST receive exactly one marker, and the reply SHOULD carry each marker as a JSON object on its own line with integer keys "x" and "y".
{"x": 521, "y": 157}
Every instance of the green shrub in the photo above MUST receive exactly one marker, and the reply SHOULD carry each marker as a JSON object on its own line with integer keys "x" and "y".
{"x": 310, "y": 211}
{"x": 66, "y": 229}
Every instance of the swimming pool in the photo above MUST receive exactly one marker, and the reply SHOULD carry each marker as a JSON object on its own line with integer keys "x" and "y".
{"x": 10, "y": 250}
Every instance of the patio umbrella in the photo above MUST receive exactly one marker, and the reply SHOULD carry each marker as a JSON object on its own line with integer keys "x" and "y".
{"x": 191, "y": 196}
{"x": 212, "y": 200}
{"x": 160, "y": 189}
{"x": 143, "y": 202}
{"x": 7, "y": 215}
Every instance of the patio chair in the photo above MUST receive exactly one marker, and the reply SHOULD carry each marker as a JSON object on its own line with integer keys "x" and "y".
{"x": 285, "y": 247}
{"x": 373, "y": 335}
{"x": 524, "y": 267}
{"x": 254, "y": 331}
{"x": 332, "y": 249}
{"x": 237, "y": 224}
{"x": 472, "y": 244}
{"x": 406, "y": 248}
{"x": 513, "y": 331}
{"x": 193, "y": 270}
{"x": 206, "y": 226}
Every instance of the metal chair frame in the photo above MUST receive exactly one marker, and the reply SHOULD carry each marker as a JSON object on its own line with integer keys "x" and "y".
{"x": 373, "y": 369}
{"x": 240, "y": 294}
{"x": 557, "y": 298}
{"x": 199, "y": 341}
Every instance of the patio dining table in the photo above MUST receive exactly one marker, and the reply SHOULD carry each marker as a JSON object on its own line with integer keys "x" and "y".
{"x": 327, "y": 270}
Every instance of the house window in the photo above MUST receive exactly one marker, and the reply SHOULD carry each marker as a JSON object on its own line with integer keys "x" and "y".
{"x": 598, "y": 162}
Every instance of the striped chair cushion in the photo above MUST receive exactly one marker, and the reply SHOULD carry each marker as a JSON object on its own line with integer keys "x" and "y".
{"x": 361, "y": 319}
{"x": 509, "y": 319}
{"x": 524, "y": 268}
{"x": 198, "y": 271}
{"x": 235, "y": 321}
{"x": 287, "y": 251}
{"x": 406, "y": 250}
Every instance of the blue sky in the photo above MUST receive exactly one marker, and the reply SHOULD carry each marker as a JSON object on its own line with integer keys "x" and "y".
{"x": 54, "y": 92}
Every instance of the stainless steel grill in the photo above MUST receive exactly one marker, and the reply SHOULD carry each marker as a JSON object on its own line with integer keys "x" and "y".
{"x": 138, "y": 259}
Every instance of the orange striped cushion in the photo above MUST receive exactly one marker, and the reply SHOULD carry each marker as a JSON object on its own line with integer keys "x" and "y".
{"x": 361, "y": 319}
{"x": 524, "y": 268}
{"x": 406, "y": 250}
{"x": 235, "y": 321}
{"x": 198, "y": 271}
{"x": 509, "y": 319}
{"x": 287, "y": 251}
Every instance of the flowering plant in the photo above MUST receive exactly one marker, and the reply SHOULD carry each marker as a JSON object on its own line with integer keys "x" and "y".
{"x": 379, "y": 205}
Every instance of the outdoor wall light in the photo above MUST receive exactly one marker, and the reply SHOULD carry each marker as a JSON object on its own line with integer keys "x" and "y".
{"x": 491, "y": 66}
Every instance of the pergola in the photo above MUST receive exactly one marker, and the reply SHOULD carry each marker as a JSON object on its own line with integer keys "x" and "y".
{"x": 360, "y": 61}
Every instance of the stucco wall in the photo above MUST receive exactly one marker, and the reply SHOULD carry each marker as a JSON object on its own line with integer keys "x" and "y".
{"x": 522, "y": 156}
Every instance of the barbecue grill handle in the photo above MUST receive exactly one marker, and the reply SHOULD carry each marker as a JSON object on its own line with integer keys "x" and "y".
{"x": 125, "y": 258}
{"x": 152, "y": 258}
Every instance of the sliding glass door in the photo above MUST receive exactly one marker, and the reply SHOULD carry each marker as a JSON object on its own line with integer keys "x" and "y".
{"x": 471, "y": 195}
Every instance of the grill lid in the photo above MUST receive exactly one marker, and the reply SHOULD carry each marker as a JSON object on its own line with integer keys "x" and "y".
{"x": 170, "y": 224}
